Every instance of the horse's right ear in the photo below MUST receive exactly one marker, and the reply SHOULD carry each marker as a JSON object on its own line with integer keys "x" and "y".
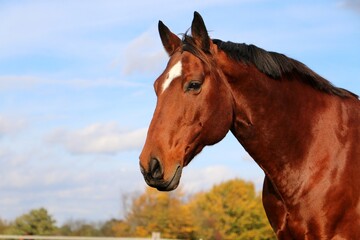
{"x": 170, "y": 41}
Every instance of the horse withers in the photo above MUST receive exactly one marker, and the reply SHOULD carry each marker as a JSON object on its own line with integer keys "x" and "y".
{"x": 300, "y": 129}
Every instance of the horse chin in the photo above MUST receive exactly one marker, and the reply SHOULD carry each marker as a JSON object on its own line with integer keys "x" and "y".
{"x": 173, "y": 183}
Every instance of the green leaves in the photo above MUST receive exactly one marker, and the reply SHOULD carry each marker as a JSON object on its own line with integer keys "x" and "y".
{"x": 36, "y": 222}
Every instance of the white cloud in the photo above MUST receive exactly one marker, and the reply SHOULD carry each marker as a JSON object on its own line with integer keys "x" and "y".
{"x": 11, "y": 82}
{"x": 69, "y": 186}
{"x": 145, "y": 54}
{"x": 106, "y": 138}
{"x": 60, "y": 25}
{"x": 64, "y": 27}
{"x": 94, "y": 83}
{"x": 351, "y": 4}
{"x": 10, "y": 125}
{"x": 194, "y": 180}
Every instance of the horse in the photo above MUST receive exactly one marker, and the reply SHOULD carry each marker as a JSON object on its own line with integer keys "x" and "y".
{"x": 301, "y": 130}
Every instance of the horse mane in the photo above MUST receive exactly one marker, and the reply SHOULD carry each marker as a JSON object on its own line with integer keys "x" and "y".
{"x": 274, "y": 65}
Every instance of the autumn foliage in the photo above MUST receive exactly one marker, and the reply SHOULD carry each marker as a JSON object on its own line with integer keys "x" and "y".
{"x": 156, "y": 211}
{"x": 231, "y": 210}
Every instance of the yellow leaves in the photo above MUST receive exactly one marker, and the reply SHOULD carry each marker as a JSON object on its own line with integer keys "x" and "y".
{"x": 230, "y": 210}
{"x": 163, "y": 212}
{"x": 121, "y": 229}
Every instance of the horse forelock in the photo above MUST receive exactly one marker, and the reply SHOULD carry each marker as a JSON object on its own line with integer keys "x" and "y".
{"x": 189, "y": 45}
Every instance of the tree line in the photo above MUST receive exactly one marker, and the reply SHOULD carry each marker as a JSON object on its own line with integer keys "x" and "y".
{"x": 230, "y": 210}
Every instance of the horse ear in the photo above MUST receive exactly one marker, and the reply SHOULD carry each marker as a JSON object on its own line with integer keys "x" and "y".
{"x": 199, "y": 32}
{"x": 170, "y": 41}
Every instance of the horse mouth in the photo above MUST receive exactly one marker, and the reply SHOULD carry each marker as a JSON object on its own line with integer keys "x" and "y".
{"x": 173, "y": 183}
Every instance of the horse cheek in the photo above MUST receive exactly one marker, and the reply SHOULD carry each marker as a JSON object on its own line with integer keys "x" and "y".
{"x": 220, "y": 119}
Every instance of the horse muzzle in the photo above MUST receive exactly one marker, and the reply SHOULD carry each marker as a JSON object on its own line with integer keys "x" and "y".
{"x": 154, "y": 176}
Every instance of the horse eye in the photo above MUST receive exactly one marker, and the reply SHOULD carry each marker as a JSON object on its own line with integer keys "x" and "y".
{"x": 194, "y": 86}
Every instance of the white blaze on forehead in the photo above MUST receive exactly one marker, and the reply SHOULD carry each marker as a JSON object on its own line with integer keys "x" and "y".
{"x": 174, "y": 72}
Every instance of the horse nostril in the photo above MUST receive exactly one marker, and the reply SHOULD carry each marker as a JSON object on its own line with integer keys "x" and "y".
{"x": 155, "y": 169}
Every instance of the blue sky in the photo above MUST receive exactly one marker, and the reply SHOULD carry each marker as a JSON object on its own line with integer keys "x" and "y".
{"x": 76, "y": 92}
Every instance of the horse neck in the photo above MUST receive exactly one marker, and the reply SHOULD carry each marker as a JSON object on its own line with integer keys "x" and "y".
{"x": 275, "y": 121}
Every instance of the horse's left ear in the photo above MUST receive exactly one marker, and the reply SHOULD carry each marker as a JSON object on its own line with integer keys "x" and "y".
{"x": 199, "y": 32}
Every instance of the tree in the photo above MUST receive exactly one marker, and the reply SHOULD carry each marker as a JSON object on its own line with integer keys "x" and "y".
{"x": 121, "y": 229}
{"x": 107, "y": 228}
{"x": 36, "y": 222}
{"x": 81, "y": 228}
{"x": 163, "y": 212}
{"x": 88, "y": 229}
{"x": 3, "y": 226}
{"x": 231, "y": 210}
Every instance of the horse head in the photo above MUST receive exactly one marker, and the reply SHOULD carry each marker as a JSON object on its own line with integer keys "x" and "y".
{"x": 194, "y": 106}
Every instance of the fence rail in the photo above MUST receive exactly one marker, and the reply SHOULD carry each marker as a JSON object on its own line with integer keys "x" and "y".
{"x": 155, "y": 236}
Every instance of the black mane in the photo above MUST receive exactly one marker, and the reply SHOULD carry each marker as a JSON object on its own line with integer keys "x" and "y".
{"x": 273, "y": 64}
{"x": 276, "y": 65}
